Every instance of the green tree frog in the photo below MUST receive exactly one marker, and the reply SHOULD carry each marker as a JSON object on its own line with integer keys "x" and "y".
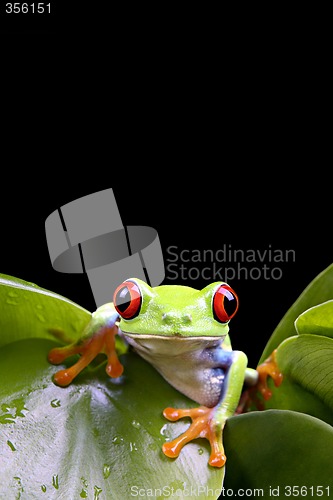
{"x": 183, "y": 333}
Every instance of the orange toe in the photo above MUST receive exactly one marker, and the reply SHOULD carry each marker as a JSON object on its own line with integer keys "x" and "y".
{"x": 103, "y": 341}
{"x": 203, "y": 425}
{"x": 269, "y": 368}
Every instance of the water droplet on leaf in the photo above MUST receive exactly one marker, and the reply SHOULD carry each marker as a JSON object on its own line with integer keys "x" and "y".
{"x": 97, "y": 492}
{"x": 55, "y": 481}
{"x": 11, "y": 446}
{"x": 118, "y": 440}
{"x": 133, "y": 447}
{"x": 55, "y": 403}
{"x": 106, "y": 471}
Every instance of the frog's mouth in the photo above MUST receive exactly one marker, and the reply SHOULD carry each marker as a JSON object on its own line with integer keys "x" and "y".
{"x": 175, "y": 336}
{"x": 169, "y": 345}
{"x": 170, "y": 334}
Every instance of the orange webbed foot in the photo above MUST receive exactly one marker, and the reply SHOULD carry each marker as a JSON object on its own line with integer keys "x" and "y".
{"x": 269, "y": 368}
{"x": 204, "y": 425}
{"x": 103, "y": 341}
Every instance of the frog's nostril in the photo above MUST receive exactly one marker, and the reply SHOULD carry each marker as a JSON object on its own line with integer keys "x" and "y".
{"x": 174, "y": 318}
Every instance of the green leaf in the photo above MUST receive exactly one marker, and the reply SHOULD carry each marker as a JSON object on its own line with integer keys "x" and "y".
{"x": 27, "y": 311}
{"x": 306, "y": 362}
{"x": 277, "y": 453}
{"x": 317, "y": 320}
{"x": 97, "y": 438}
{"x": 318, "y": 291}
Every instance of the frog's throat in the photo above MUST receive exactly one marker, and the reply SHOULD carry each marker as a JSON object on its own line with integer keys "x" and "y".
{"x": 186, "y": 363}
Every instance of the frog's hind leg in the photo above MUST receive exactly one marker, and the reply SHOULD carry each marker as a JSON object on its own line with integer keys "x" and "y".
{"x": 101, "y": 341}
{"x": 260, "y": 392}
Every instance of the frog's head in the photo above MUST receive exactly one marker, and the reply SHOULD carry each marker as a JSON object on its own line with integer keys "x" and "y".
{"x": 174, "y": 310}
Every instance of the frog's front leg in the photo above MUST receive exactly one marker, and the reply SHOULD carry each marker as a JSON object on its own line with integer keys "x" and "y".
{"x": 98, "y": 337}
{"x": 209, "y": 422}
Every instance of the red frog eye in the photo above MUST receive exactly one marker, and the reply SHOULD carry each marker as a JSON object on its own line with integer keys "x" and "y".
{"x": 225, "y": 304}
{"x": 127, "y": 299}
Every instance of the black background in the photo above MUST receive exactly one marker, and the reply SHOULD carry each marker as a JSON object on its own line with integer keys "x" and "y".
{"x": 206, "y": 209}
{"x": 212, "y": 134}
{"x": 208, "y": 159}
